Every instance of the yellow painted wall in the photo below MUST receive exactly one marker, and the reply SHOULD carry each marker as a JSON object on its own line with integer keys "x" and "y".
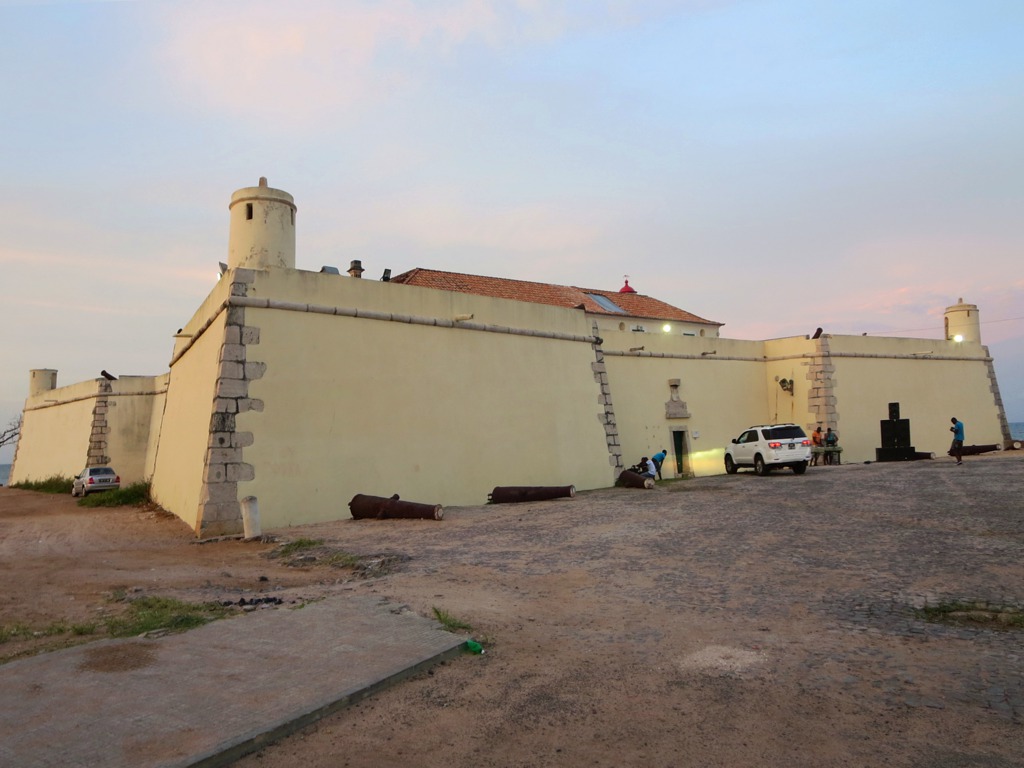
{"x": 789, "y": 359}
{"x": 55, "y": 433}
{"x": 928, "y": 388}
{"x": 724, "y": 393}
{"x": 179, "y": 463}
{"x": 156, "y": 416}
{"x": 130, "y": 409}
{"x": 437, "y": 415}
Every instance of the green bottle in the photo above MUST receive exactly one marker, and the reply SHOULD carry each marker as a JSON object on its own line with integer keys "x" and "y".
{"x": 474, "y": 647}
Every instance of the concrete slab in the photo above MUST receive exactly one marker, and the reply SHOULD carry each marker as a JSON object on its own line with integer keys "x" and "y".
{"x": 207, "y": 696}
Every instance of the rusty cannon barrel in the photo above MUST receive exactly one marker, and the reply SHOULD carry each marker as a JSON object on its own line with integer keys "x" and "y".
{"x": 365, "y": 507}
{"x": 974, "y": 450}
{"x": 630, "y": 479}
{"x": 511, "y": 494}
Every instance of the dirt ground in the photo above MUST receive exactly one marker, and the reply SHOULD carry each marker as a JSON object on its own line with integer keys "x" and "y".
{"x": 725, "y": 621}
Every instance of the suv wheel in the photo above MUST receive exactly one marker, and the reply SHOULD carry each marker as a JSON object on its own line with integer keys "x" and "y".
{"x": 800, "y": 468}
{"x": 730, "y": 465}
{"x": 759, "y": 466}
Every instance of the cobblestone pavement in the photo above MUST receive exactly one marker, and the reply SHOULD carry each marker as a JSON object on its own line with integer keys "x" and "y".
{"x": 784, "y": 611}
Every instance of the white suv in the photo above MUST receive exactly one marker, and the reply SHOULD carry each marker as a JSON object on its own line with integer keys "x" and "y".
{"x": 768, "y": 446}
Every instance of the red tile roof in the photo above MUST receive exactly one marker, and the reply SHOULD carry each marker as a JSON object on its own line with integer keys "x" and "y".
{"x": 632, "y": 304}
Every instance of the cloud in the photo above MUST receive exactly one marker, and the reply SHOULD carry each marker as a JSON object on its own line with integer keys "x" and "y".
{"x": 298, "y": 62}
{"x": 289, "y": 65}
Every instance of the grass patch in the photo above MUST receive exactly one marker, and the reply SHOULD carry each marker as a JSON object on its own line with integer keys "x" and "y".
{"x": 298, "y": 545}
{"x": 136, "y": 493}
{"x": 343, "y": 560}
{"x": 151, "y": 613}
{"x": 450, "y": 623}
{"x": 54, "y": 629}
{"x": 962, "y": 613}
{"x": 52, "y": 484}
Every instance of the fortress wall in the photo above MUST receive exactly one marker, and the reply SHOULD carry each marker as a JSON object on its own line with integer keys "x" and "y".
{"x": 436, "y": 414}
{"x": 211, "y": 305}
{"x": 950, "y": 381}
{"x": 178, "y": 466}
{"x": 324, "y": 290}
{"x": 130, "y": 408}
{"x": 723, "y": 393}
{"x": 791, "y": 359}
{"x": 55, "y": 432}
{"x": 156, "y": 416}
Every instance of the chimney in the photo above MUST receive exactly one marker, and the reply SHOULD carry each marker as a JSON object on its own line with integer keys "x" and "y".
{"x": 355, "y": 269}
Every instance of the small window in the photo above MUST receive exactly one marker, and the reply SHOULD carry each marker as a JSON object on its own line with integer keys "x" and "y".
{"x": 248, "y": 211}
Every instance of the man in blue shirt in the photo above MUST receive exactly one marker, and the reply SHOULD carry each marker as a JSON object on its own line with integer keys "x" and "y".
{"x": 957, "y": 448}
{"x": 659, "y": 459}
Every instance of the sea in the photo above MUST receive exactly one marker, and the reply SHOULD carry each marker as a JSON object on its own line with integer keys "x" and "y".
{"x": 1016, "y": 432}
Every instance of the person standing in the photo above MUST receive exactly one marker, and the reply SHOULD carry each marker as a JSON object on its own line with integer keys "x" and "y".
{"x": 659, "y": 459}
{"x": 817, "y": 443}
{"x": 956, "y": 450}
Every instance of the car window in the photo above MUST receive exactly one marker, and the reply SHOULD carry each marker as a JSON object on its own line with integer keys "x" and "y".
{"x": 749, "y": 436}
{"x": 784, "y": 433}
{"x": 101, "y": 471}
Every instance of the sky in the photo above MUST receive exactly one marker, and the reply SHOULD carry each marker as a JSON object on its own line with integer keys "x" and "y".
{"x": 773, "y": 165}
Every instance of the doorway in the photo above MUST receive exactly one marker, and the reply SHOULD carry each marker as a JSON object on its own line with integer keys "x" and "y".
{"x": 681, "y": 453}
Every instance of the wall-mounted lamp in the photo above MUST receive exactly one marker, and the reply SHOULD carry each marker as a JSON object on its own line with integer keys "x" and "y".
{"x": 667, "y": 328}
{"x": 386, "y": 277}
{"x": 712, "y": 352}
{"x": 463, "y": 318}
{"x": 327, "y": 270}
{"x": 223, "y": 269}
{"x": 786, "y": 385}
{"x": 636, "y": 349}
{"x": 958, "y": 338}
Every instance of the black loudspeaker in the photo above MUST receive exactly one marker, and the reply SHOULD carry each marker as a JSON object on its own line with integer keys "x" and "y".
{"x": 894, "y": 411}
{"x": 895, "y": 454}
{"x": 895, "y": 434}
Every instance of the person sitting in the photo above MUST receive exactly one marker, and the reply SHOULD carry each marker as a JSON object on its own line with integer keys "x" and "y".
{"x": 832, "y": 442}
{"x": 647, "y": 468}
{"x": 659, "y": 459}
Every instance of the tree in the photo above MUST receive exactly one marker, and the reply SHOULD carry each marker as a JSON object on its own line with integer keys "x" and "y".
{"x": 9, "y": 434}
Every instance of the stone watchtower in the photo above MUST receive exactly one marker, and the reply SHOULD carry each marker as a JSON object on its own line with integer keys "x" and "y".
{"x": 962, "y": 321}
{"x": 262, "y": 231}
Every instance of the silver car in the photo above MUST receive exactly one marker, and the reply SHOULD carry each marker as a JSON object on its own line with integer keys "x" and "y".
{"x": 95, "y": 479}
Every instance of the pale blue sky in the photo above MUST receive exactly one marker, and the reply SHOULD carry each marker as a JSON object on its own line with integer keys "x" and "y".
{"x": 776, "y": 165}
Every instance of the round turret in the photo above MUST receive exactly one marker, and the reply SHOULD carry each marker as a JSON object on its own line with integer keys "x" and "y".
{"x": 41, "y": 380}
{"x": 262, "y": 228}
{"x": 963, "y": 323}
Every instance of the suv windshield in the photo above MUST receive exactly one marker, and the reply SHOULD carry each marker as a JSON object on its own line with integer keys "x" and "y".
{"x": 784, "y": 433}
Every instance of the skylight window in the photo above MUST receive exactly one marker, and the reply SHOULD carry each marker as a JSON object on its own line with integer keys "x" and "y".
{"x": 605, "y": 303}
